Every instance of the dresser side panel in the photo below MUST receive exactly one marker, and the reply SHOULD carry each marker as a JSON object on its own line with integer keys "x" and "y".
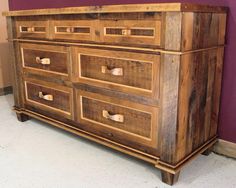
{"x": 202, "y": 30}
{"x": 198, "y": 101}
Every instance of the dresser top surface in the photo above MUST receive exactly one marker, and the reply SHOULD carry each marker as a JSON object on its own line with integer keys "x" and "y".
{"x": 154, "y": 7}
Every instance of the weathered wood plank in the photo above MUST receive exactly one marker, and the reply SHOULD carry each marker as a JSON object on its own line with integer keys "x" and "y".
{"x": 169, "y": 100}
{"x": 154, "y": 7}
{"x": 173, "y": 29}
{"x": 197, "y": 78}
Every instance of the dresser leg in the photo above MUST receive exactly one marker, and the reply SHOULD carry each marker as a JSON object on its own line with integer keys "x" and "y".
{"x": 208, "y": 151}
{"x": 169, "y": 178}
{"x": 22, "y": 117}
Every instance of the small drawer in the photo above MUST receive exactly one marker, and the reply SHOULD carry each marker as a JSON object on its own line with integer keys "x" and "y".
{"x": 32, "y": 29}
{"x": 80, "y": 30}
{"x": 49, "y": 97}
{"x": 45, "y": 59}
{"x": 118, "y": 118}
{"x": 135, "y": 73}
{"x": 145, "y": 32}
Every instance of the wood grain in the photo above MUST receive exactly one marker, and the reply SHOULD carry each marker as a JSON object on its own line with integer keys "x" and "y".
{"x": 155, "y": 7}
{"x": 169, "y": 104}
{"x": 58, "y": 56}
{"x": 140, "y": 122}
{"x": 140, "y": 71}
{"x": 143, "y": 79}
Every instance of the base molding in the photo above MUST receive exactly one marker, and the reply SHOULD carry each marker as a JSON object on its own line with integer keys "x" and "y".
{"x": 6, "y": 90}
{"x": 225, "y": 148}
{"x": 25, "y": 114}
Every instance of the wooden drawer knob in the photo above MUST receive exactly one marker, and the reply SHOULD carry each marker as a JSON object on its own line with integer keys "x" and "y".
{"x": 43, "y": 61}
{"x": 45, "y": 97}
{"x": 114, "y": 72}
{"x": 117, "y": 117}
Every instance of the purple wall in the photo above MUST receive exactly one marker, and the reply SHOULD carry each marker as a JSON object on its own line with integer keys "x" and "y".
{"x": 227, "y": 128}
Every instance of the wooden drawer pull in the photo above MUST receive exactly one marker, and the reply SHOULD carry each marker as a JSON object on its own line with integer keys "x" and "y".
{"x": 114, "y": 72}
{"x": 43, "y": 61}
{"x": 30, "y": 29}
{"x": 45, "y": 97}
{"x": 116, "y": 117}
{"x": 126, "y": 31}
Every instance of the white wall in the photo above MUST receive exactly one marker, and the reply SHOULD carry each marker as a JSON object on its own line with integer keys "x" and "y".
{"x": 5, "y": 72}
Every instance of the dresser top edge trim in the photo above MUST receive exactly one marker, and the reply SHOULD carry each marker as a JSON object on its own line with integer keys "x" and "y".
{"x": 151, "y": 7}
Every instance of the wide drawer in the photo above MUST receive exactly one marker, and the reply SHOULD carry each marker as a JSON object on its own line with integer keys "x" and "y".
{"x": 46, "y": 59}
{"x": 145, "y": 32}
{"x": 135, "y": 73}
{"x": 80, "y": 30}
{"x": 118, "y": 119}
{"x": 32, "y": 28}
{"x": 49, "y": 97}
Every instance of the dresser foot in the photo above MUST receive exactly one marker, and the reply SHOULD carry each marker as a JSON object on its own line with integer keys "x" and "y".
{"x": 22, "y": 117}
{"x": 208, "y": 151}
{"x": 169, "y": 178}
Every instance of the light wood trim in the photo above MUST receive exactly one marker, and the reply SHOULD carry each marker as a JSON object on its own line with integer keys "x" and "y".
{"x": 226, "y": 148}
{"x": 152, "y": 7}
{"x": 116, "y": 47}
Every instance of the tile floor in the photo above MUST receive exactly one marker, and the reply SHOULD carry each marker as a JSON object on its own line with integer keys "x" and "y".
{"x": 36, "y": 155}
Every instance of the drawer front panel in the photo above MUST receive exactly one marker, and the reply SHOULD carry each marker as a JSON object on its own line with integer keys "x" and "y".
{"x": 130, "y": 72}
{"x": 57, "y": 99}
{"x": 131, "y": 31}
{"x": 136, "y": 122}
{"x": 74, "y": 30}
{"x": 32, "y": 29}
{"x": 49, "y": 59}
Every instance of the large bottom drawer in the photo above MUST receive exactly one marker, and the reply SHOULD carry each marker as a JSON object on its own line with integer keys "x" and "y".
{"x": 49, "y": 97}
{"x": 118, "y": 120}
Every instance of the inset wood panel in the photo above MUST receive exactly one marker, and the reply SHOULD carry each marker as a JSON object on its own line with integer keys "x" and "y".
{"x": 135, "y": 73}
{"x": 49, "y": 97}
{"x": 79, "y": 30}
{"x": 32, "y": 28}
{"x": 143, "y": 32}
{"x": 46, "y": 59}
{"x": 135, "y": 122}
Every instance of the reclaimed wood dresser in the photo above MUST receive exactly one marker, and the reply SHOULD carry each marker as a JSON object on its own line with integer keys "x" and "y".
{"x": 144, "y": 79}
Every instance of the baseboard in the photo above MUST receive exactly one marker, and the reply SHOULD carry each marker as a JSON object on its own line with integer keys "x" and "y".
{"x": 225, "y": 148}
{"x": 6, "y": 90}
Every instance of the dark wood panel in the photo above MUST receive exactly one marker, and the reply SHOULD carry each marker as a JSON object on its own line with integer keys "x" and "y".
{"x": 60, "y": 99}
{"x": 136, "y": 73}
{"x": 123, "y": 31}
{"x": 33, "y": 57}
{"x": 138, "y": 123}
{"x": 128, "y": 120}
{"x": 49, "y": 97}
{"x": 32, "y": 27}
{"x": 79, "y": 30}
{"x": 133, "y": 73}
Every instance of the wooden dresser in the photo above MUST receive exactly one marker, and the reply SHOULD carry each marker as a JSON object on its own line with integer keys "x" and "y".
{"x": 142, "y": 79}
